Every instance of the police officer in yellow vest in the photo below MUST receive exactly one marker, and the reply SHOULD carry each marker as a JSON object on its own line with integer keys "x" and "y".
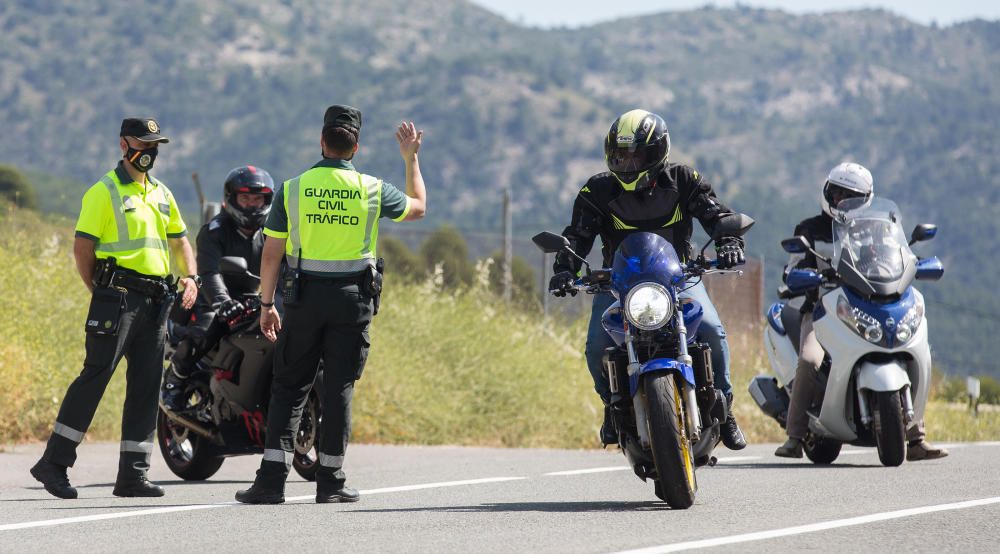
{"x": 325, "y": 223}
{"x": 128, "y": 224}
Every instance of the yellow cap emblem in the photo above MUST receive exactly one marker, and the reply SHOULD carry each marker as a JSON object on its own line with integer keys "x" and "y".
{"x": 152, "y": 126}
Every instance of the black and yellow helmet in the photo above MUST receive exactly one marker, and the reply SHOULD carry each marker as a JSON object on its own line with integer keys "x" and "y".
{"x": 637, "y": 148}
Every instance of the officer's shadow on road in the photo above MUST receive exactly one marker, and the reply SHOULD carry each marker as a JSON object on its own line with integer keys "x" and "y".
{"x": 555, "y": 507}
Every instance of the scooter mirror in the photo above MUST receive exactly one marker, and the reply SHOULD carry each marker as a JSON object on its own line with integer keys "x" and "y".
{"x": 550, "y": 242}
{"x": 922, "y": 232}
{"x": 795, "y": 245}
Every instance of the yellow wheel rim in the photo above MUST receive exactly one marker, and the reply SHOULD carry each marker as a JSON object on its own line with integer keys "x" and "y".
{"x": 685, "y": 443}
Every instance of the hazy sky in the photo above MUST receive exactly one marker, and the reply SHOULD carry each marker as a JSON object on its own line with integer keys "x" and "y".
{"x": 573, "y": 13}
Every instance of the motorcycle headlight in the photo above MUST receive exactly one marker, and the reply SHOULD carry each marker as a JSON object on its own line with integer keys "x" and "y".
{"x": 648, "y": 306}
{"x": 866, "y": 326}
{"x": 911, "y": 322}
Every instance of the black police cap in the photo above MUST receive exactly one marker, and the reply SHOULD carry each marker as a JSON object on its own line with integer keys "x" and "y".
{"x": 343, "y": 116}
{"x": 145, "y": 129}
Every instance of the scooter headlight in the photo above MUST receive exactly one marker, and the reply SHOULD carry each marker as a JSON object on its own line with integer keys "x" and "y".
{"x": 911, "y": 322}
{"x": 648, "y": 306}
{"x": 860, "y": 322}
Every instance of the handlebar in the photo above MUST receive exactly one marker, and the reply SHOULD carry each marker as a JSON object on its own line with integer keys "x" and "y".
{"x": 599, "y": 280}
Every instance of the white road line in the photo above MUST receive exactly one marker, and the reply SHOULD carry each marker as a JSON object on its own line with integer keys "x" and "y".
{"x": 193, "y": 507}
{"x": 731, "y": 459}
{"x": 591, "y": 470}
{"x": 813, "y": 527}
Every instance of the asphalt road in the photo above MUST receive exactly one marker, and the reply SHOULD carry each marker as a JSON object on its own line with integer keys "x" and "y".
{"x": 450, "y": 499}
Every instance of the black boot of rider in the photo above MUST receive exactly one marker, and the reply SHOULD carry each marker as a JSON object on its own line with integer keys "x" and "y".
{"x": 732, "y": 436}
{"x": 267, "y": 488}
{"x": 609, "y": 435}
{"x": 173, "y": 386}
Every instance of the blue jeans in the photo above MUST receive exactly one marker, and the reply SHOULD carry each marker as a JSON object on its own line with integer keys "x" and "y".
{"x": 710, "y": 331}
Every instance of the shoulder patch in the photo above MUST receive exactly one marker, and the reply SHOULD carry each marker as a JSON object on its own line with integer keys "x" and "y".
{"x": 214, "y": 224}
{"x": 695, "y": 173}
{"x": 585, "y": 189}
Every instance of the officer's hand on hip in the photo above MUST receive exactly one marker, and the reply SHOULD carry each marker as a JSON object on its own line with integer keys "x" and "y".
{"x": 270, "y": 323}
{"x": 190, "y": 293}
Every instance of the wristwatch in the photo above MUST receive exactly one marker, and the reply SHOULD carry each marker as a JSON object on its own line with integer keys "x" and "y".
{"x": 196, "y": 279}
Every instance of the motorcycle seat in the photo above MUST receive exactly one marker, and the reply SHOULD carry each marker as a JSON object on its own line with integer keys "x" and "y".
{"x": 791, "y": 320}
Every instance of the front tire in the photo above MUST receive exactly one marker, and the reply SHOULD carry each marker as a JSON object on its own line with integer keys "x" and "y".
{"x": 185, "y": 452}
{"x": 675, "y": 480}
{"x": 890, "y": 429}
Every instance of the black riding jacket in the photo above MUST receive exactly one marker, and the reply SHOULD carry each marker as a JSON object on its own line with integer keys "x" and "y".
{"x": 818, "y": 230}
{"x": 604, "y": 208}
{"x": 218, "y": 238}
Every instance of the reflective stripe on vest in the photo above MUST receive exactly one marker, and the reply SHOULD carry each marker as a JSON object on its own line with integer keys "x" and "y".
{"x": 124, "y": 244}
{"x": 317, "y": 203}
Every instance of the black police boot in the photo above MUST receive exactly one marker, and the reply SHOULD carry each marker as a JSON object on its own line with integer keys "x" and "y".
{"x": 173, "y": 386}
{"x": 609, "y": 435}
{"x": 53, "y": 476}
{"x": 732, "y": 436}
{"x": 342, "y": 494}
{"x": 267, "y": 488}
{"x": 136, "y": 487}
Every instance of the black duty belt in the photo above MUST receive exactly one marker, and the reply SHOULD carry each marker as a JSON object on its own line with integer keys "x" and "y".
{"x": 156, "y": 289}
{"x": 353, "y": 278}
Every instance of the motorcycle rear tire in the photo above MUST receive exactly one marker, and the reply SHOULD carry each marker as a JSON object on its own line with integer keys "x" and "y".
{"x": 306, "y": 456}
{"x": 197, "y": 465}
{"x": 821, "y": 451}
{"x": 890, "y": 429}
{"x": 676, "y": 481}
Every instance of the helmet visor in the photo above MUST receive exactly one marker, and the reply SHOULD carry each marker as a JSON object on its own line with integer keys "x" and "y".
{"x": 628, "y": 164}
{"x": 835, "y": 194}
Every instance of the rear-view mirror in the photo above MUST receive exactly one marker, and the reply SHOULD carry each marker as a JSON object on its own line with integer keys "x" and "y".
{"x": 550, "y": 242}
{"x": 930, "y": 269}
{"x": 732, "y": 225}
{"x": 233, "y": 265}
{"x": 922, "y": 232}
{"x": 795, "y": 245}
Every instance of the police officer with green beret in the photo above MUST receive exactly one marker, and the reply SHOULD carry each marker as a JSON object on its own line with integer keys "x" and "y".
{"x": 325, "y": 223}
{"x": 129, "y": 223}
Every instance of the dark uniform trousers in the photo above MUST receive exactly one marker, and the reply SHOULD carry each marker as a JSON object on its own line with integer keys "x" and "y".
{"x": 140, "y": 340}
{"x": 329, "y": 322}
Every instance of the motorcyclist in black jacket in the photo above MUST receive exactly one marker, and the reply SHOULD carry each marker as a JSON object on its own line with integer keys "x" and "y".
{"x": 644, "y": 192}
{"x": 235, "y": 231}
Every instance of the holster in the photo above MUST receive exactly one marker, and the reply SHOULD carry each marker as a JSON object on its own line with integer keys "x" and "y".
{"x": 105, "y": 313}
{"x": 371, "y": 283}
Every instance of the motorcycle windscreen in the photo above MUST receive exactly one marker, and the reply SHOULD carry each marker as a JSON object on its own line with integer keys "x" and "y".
{"x": 870, "y": 241}
{"x": 644, "y": 257}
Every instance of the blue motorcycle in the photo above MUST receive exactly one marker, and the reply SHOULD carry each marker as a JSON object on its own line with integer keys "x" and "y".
{"x": 664, "y": 404}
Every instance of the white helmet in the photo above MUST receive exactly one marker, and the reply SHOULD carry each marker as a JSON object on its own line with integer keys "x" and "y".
{"x": 847, "y": 180}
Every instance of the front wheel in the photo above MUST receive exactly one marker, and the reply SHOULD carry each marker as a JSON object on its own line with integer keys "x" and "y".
{"x": 675, "y": 480}
{"x": 185, "y": 452}
{"x": 305, "y": 460}
{"x": 890, "y": 428}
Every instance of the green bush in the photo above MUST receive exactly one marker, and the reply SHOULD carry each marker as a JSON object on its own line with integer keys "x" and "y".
{"x": 446, "y": 248}
{"x": 14, "y": 187}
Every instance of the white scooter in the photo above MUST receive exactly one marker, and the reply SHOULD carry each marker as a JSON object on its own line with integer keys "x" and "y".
{"x": 870, "y": 321}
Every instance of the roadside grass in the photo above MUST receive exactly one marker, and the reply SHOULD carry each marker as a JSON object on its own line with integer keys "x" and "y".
{"x": 445, "y": 367}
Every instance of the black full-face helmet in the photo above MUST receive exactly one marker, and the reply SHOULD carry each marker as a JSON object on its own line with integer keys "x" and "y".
{"x": 637, "y": 148}
{"x": 248, "y": 179}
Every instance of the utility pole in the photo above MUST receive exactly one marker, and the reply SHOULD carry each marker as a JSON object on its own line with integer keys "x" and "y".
{"x": 508, "y": 246}
{"x": 545, "y": 284}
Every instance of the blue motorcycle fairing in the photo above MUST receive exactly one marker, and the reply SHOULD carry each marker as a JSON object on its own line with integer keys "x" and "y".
{"x": 660, "y": 364}
{"x": 930, "y": 269}
{"x": 614, "y": 325}
{"x": 643, "y": 257}
{"x": 888, "y": 315}
{"x": 774, "y": 317}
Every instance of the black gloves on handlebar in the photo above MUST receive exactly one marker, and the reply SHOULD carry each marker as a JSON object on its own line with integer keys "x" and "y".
{"x": 230, "y": 310}
{"x": 561, "y": 283}
{"x": 729, "y": 252}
